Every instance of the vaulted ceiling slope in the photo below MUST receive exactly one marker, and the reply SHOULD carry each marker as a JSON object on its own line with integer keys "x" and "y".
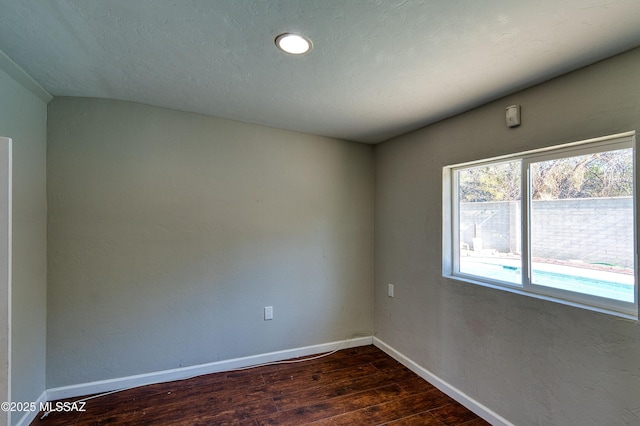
{"x": 379, "y": 68}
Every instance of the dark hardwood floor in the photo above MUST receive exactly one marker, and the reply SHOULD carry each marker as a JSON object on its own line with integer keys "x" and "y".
{"x": 357, "y": 386}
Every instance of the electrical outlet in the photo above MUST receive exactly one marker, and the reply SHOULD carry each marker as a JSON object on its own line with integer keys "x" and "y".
{"x": 268, "y": 313}
{"x": 390, "y": 290}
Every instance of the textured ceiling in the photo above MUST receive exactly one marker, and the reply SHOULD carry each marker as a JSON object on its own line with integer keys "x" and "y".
{"x": 379, "y": 68}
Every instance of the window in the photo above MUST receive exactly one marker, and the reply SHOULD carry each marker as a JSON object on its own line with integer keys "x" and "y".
{"x": 556, "y": 223}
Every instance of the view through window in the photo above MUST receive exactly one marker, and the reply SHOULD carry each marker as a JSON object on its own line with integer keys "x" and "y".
{"x": 558, "y": 223}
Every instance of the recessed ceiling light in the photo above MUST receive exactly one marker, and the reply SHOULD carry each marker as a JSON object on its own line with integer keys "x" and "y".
{"x": 293, "y": 43}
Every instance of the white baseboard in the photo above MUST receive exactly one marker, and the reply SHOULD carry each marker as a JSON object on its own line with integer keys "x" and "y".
{"x": 455, "y": 393}
{"x": 30, "y": 416}
{"x": 103, "y": 386}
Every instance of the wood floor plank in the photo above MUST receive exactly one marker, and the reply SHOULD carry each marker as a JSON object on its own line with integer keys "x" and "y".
{"x": 422, "y": 419}
{"x": 477, "y": 422}
{"x": 355, "y": 386}
{"x": 331, "y": 407}
{"x": 393, "y": 367}
{"x": 201, "y": 402}
{"x": 414, "y": 384}
{"x": 285, "y": 384}
{"x": 56, "y": 419}
{"x": 341, "y": 388}
{"x": 453, "y": 414}
{"x": 386, "y": 411}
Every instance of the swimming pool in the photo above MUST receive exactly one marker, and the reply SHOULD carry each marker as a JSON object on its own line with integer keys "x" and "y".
{"x": 611, "y": 285}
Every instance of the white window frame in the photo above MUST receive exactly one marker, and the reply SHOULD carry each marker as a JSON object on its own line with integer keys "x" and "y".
{"x": 450, "y": 223}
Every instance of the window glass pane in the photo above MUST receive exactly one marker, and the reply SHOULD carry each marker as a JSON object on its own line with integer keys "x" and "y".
{"x": 582, "y": 224}
{"x": 489, "y": 221}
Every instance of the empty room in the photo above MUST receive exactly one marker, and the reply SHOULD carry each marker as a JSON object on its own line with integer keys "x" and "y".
{"x": 319, "y": 212}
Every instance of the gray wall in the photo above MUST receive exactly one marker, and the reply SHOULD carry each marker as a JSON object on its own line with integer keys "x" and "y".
{"x": 23, "y": 117}
{"x": 169, "y": 232}
{"x": 531, "y": 361}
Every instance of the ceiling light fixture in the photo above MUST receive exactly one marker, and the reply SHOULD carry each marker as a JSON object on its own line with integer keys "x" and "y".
{"x": 294, "y": 44}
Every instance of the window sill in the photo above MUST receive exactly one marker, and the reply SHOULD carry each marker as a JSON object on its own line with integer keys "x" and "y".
{"x": 516, "y": 290}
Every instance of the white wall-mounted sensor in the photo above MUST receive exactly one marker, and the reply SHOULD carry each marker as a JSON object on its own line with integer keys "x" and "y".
{"x": 513, "y": 115}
